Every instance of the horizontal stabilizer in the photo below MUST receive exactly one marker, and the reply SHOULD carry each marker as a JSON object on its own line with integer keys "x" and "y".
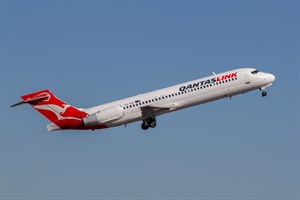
{"x": 31, "y": 101}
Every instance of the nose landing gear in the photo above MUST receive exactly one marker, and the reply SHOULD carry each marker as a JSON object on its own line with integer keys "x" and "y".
{"x": 263, "y": 90}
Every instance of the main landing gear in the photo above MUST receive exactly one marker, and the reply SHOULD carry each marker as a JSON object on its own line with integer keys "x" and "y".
{"x": 148, "y": 123}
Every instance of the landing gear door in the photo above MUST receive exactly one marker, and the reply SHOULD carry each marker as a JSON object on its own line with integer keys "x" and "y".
{"x": 247, "y": 79}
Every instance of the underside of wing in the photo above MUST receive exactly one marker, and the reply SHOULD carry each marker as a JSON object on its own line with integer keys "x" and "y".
{"x": 171, "y": 106}
{"x": 151, "y": 111}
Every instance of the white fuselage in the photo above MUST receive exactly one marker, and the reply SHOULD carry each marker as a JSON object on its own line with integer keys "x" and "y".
{"x": 187, "y": 94}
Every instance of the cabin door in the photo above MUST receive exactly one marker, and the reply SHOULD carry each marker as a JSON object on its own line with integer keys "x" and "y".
{"x": 247, "y": 79}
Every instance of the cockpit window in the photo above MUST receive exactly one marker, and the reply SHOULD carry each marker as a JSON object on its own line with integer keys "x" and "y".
{"x": 254, "y": 71}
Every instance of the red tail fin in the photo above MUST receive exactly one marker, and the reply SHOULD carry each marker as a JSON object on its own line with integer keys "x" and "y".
{"x": 56, "y": 110}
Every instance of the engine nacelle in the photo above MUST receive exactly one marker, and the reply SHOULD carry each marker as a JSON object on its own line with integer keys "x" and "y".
{"x": 106, "y": 115}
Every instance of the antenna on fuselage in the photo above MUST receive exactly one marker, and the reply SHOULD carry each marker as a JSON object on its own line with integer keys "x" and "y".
{"x": 214, "y": 73}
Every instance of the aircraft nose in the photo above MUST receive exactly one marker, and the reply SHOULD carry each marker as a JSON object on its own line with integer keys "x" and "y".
{"x": 266, "y": 77}
{"x": 271, "y": 77}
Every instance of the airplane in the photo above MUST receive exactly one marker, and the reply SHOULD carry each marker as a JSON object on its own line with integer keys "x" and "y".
{"x": 146, "y": 107}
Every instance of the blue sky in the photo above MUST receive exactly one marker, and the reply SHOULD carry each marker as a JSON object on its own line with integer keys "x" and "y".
{"x": 92, "y": 52}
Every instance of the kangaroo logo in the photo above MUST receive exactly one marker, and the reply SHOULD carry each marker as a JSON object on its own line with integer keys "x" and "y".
{"x": 54, "y": 108}
{"x": 64, "y": 108}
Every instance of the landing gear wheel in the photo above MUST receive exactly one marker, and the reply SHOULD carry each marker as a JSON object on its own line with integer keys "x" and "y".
{"x": 144, "y": 126}
{"x": 148, "y": 123}
{"x": 152, "y": 124}
{"x": 264, "y": 93}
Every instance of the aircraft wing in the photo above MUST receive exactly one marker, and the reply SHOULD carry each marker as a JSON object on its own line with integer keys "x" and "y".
{"x": 170, "y": 106}
{"x": 150, "y": 111}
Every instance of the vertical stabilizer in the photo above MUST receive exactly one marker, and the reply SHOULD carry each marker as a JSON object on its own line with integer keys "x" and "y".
{"x": 57, "y": 111}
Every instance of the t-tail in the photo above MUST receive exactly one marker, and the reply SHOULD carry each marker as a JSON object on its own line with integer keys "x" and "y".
{"x": 61, "y": 114}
